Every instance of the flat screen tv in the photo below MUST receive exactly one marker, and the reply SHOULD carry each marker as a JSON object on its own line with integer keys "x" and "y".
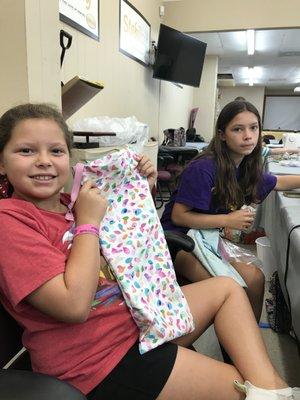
{"x": 179, "y": 57}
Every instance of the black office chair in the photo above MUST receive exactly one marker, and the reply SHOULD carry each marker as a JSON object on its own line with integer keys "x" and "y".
{"x": 164, "y": 179}
{"x": 18, "y": 382}
{"x": 178, "y": 241}
{"x": 266, "y": 138}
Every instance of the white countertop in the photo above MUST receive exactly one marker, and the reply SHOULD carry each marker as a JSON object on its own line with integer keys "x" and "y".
{"x": 276, "y": 169}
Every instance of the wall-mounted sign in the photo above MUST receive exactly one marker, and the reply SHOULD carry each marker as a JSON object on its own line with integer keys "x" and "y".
{"x": 82, "y": 15}
{"x": 134, "y": 33}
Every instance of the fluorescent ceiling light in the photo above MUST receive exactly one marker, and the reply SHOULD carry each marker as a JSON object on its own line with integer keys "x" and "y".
{"x": 250, "y": 41}
{"x": 297, "y": 89}
{"x": 251, "y": 76}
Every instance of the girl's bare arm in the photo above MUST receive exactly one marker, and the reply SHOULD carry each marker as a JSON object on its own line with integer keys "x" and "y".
{"x": 282, "y": 150}
{"x": 182, "y": 215}
{"x": 68, "y": 296}
{"x": 287, "y": 182}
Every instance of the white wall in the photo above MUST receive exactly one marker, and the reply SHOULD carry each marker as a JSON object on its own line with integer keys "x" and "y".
{"x": 252, "y": 94}
{"x": 175, "y": 106}
{"x": 217, "y": 15}
{"x": 29, "y": 52}
{"x": 205, "y": 98}
{"x": 43, "y": 51}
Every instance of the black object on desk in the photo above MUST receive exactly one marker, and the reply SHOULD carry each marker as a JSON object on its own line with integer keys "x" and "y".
{"x": 180, "y": 154}
{"x": 88, "y": 144}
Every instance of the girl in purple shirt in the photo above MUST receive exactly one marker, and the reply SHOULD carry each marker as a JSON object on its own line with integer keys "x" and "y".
{"x": 217, "y": 183}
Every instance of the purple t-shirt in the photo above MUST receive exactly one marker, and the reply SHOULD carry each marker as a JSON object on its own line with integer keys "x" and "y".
{"x": 195, "y": 191}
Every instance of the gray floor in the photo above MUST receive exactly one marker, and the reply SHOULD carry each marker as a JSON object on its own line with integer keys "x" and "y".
{"x": 281, "y": 348}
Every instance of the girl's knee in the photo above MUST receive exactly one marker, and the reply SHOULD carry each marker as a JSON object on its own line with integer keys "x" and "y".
{"x": 228, "y": 284}
{"x": 260, "y": 276}
{"x": 252, "y": 275}
{"x": 257, "y": 279}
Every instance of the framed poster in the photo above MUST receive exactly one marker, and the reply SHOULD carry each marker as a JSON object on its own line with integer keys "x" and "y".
{"x": 134, "y": 33}
{"x": 82, "y": 15}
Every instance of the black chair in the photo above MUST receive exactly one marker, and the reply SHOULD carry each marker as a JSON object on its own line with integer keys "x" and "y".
{"x": 182, "y": 155}
{"x": 164, "y": 178}
{"x": 18, "y": 382}
{"x": 178, "y": 241}
{"x": 266, "y": 138}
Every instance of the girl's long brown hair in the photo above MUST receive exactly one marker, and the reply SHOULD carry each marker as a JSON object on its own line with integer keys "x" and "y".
{"x": 230, "y": 193}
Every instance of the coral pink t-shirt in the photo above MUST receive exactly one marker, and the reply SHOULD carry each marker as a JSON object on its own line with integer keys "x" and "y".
{"x": 34, "y": 247}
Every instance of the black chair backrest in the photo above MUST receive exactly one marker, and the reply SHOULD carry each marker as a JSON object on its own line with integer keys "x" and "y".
{"x": 266, "y": 138}
{"x": 10, "y": 330}
{"x": 178, "y": 241}
{"x": 10, "y": 337}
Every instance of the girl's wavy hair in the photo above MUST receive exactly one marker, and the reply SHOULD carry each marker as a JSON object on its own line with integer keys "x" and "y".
{"x": 14, "y": 115}
{"x": 230, "y": 193}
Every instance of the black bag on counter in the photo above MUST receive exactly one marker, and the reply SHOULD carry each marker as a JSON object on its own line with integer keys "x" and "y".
{"x": 174, "y": 137}
{"x": 278, "y": 313}
{"x": 191, "y": 136}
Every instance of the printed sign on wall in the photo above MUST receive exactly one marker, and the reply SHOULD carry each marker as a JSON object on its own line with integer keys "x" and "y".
{"x": 82, "y": 15}
{"x": 134, "y": 33}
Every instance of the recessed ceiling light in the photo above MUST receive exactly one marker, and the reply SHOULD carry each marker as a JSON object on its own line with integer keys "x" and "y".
{"x": 250, "y": 76}
{"x": 250, "y": 41}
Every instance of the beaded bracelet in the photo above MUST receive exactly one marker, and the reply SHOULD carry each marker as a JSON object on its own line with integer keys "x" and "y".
{"x": 86, "y": 228}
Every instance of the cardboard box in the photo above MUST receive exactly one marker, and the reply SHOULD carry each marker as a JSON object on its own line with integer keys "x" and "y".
{"x": 76, "y": 93}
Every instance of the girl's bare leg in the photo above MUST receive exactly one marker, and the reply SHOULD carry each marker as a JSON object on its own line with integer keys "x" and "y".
{"x": 255, "y": 280}
{"x": 222, "y": 301}
{"x": 188, "y": 266}
{"x": 197, "y": 377}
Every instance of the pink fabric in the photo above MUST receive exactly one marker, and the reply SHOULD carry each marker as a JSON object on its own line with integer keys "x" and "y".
{"x": 78, "y": 170}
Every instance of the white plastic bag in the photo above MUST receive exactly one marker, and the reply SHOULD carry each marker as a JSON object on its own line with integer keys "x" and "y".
{"x": 128, "y": 131}
{"x": 231, "y": 252}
